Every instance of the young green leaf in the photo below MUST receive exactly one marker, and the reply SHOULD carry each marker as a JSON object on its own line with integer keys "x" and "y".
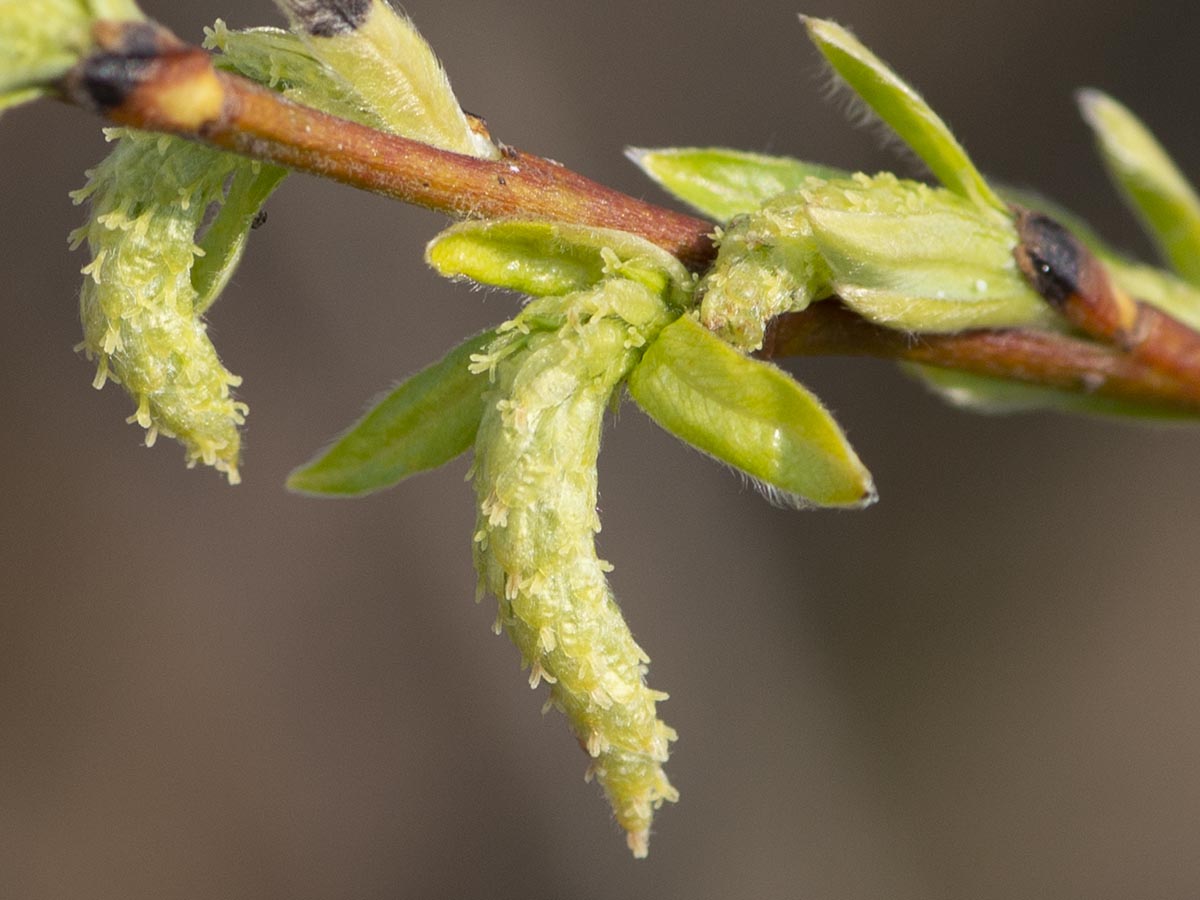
{"x": 724, "y": 183}
{"x": 283, "y": 62}
{"x": 1149, "y": 180}
{"x": 902, "y": 108}
{"x": 553, "y": 258}
{"x": 426, "y": 421}
{"x": 749, "y": 414}
{"x": 909, "y": 256}
{"x": 380, "y": 57}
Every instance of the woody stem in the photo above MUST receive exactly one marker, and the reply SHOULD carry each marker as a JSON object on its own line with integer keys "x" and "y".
{"x": 143, "y": 77}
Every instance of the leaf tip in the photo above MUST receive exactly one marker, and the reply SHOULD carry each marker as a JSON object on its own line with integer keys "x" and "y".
{"x": 300, "y": 481}
{"x": 637, "y": 154}
{"x": 1098, "y": 109}
{"x": 646, "y": 159}
{"x": 1089, "y": 99}
{"x": 870, "y": 495}
{"x": 308, "y": 482}
{"x": 826, "y": 31}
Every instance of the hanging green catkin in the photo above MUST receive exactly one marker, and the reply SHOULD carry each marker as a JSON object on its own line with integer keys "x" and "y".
{"x": 535, "y": 478}
{"x": 138, "y": 303}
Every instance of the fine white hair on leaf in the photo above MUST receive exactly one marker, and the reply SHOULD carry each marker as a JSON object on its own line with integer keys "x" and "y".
{"x": 383, "y": 61}
{"x": 858, "y": 114}
{"x": 776, "y": 497}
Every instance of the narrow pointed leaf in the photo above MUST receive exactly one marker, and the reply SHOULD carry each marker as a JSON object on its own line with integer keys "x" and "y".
{"x": 426, "y": 421}
{"x": 1152, "y": 184}
{"x": 723, "y": 183}
{"x": 748, "y": 414}
{"x": 903, "y": 109}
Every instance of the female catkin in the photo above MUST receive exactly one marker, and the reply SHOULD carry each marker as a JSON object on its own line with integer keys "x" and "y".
{"x": 535, "y": 478}
{"x": 138, "y": 303}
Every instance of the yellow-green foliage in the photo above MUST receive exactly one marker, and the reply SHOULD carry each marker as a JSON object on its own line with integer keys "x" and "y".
{"x": 149, "y": 280}
{"x": 928, "y": 259}
{"x": 381, "y": 58}
{"x": 900, "y": 253}
{"x": 1152, "y": 184}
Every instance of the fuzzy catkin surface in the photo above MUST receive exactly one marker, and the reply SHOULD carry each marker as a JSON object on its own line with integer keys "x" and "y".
{"x": 138, "y": 303}
{"x": 535, "y": 477}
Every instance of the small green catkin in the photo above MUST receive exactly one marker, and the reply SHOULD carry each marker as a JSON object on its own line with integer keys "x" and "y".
{"x": 767, "y": 264}
{"x": 147, "y": 200}
{"x": 535, "y": 479}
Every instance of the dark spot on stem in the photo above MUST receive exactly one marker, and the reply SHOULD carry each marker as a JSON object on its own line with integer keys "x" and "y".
{"x": 105, "y": 80}
{"x": 329, "y": 18}
{"x": 1050, "y": 257}
{"x": 259, "y": 220}
{"x": 124, "y": 52}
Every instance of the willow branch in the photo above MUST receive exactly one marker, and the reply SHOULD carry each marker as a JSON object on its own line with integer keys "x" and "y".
{"x": 143, "y": 77}
{"x": 1038, "y": 358}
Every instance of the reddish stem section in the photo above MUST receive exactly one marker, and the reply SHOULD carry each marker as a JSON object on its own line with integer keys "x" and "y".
{"x": 144, "y": 77}
{"x": 262, "y": 124}
{"x": 1034, "y": 357}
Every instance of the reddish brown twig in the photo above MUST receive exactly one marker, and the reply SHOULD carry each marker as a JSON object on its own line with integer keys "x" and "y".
{"x": 1077, "y": 284}
{"x": 143, "y": 77}
{"x": 1032, "y": 357}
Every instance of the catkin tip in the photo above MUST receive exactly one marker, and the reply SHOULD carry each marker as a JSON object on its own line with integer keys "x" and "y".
{"x": 639, "y": 843}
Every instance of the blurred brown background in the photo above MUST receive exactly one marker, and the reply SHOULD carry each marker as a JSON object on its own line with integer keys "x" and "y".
{"x": 987, "y": 686}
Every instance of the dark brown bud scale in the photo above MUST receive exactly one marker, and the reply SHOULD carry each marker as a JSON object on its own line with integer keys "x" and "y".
{"x": 121, "y": 61}
{"x": 1072, "y": 280}
{"x": 329, "y": 18}
{"x": 105, "y": 80}
{"x": 1050, "y": 257}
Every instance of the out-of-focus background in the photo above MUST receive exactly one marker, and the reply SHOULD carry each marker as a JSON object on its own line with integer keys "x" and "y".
{"x": 986, "y": 686}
